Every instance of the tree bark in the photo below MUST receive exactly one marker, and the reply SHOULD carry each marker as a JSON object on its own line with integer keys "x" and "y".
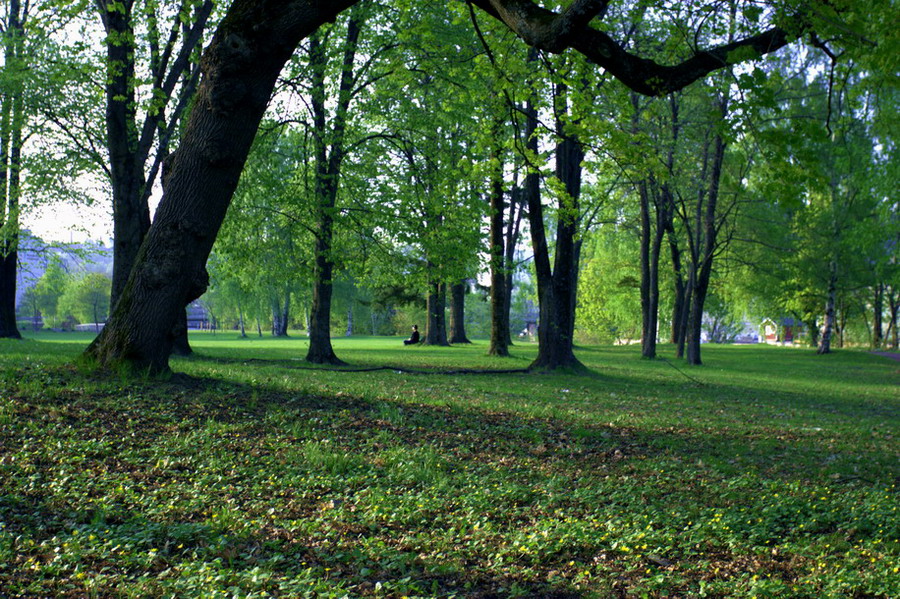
{"x": 129, "y": 149}
{"x": 677, "y": 330}
{"x": 878, "y": 316}
{"x": 893, "y": 308}
{"x": 240, "y": 68}
{"x": 436, "y": 326}
{"x": 328, "y": 171}
{"x": 813, "y": 327}
{"x": 180, "y": 345}
{"x": 648, "y": 321}
{"x": 556, "y": 286}
{"x": 707, "y": 246}
{"x": 458, "y": 313}
{"x": 830, "y": 297}
{"x": 513, "y": 230}
{"x": 499, "y": 319}
{"x": 12, "y": 121}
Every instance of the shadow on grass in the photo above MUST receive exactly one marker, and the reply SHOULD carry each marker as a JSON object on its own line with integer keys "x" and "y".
{"x": 552, "y": 465}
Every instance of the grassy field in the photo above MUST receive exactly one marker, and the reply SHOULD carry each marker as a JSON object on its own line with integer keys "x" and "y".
{"x": 768, "y": 472}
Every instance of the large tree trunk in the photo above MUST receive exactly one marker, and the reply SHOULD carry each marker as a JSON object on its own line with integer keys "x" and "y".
{"x": 320, "y": 350}
{"x": 180, "y": 345}
{"x": 499, "y": 318}
{"x": 830, "y": 297}
{"x": 458, "y": 313}
{"x": 8, "y": 260}
{"x": 12, "y": 121}
{"x": 241, "y": 66}
{"x": 436, "y": 325}
{"x": 556, "y": 287}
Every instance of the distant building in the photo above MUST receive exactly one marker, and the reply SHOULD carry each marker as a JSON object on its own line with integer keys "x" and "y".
{"x": 783, "y": 331}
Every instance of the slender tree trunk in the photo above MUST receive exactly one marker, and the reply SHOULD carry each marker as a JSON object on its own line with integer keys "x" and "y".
{"x": 878, "y": 316}
{"x": 328, "y": 170}
{"x": 710, "y": 230}
{"x": 648, "y": 349}
{"x": 241, "y": 66}
{"x": 436, "y": 326}
{"x": 830, "y": 297}
{"x": 458, "y": 313}
{"x": 284, "y": 316}
{"x": 651, "y": 243}
{"x": 677, "y": 331}
{"x": 513, "y": 229}
{"x": 131, "y": 219}
{"x": 842, "y": 323}
{"x": 893, "y": 300}
{"x": 685, "y": 313}
{"x": 499, "y": 324}
{"x": 241, "y": 321}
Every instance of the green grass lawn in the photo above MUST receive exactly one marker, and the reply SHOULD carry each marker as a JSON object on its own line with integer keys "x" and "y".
{"x": 768, "y": 472}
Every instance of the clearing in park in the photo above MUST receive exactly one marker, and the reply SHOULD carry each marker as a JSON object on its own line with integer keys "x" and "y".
{"x": 770, "y": 472}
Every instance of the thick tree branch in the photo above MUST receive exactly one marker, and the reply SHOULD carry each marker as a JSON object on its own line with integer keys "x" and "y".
{"x": 554, "y": 32}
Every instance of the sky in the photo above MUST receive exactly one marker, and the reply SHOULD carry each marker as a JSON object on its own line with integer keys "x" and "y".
{"x": 67, "y": 223}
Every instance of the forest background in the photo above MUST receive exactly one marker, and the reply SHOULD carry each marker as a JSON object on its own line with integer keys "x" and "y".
{"x": 414, "y": 153}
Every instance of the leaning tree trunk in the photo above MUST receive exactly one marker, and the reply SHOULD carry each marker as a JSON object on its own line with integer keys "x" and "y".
{"x": 458, "y": 313}
{"x": 436, "y": 325}
{"x": 828, "y": 329}
{"x": 241, "y": 67}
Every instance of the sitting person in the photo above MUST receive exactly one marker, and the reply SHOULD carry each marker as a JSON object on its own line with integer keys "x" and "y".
{"x": 414, "y": 338}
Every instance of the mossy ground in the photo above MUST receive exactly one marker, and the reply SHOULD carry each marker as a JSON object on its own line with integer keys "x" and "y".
{"x": 768, "y": 472}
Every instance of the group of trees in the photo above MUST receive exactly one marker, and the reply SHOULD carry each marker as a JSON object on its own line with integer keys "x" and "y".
{"x": 61, "y": 298}
{"x": 408, "y": 147}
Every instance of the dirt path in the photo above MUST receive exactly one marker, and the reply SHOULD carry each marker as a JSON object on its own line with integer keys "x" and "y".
{"x": 886, "y": 354}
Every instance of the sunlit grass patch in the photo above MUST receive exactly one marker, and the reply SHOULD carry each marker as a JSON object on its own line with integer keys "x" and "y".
{"x": 768, "y": 472}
